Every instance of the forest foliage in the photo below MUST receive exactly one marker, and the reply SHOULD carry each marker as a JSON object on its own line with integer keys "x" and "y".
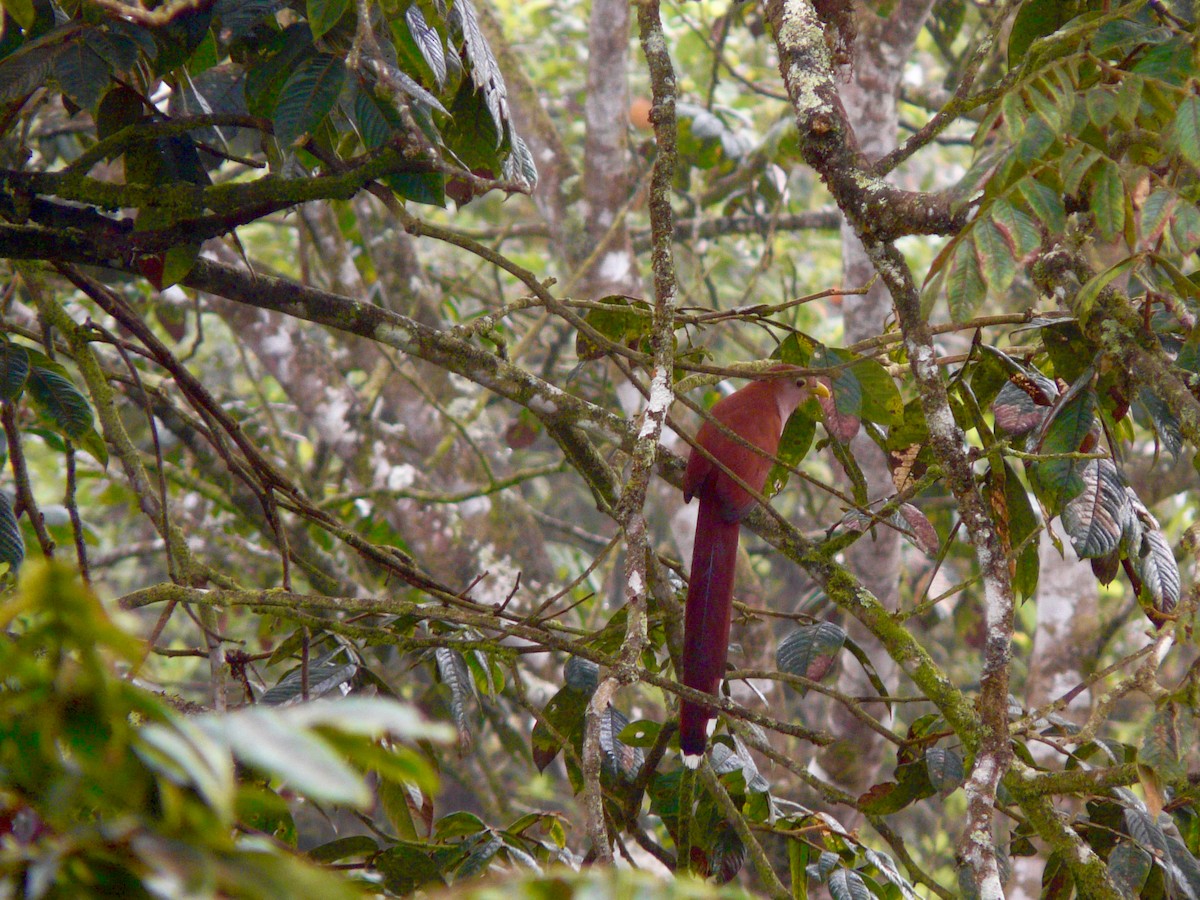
{"x": 337, "y": 503}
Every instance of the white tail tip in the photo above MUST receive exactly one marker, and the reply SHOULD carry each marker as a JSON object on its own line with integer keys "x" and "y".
{"x": 691, "y": 760}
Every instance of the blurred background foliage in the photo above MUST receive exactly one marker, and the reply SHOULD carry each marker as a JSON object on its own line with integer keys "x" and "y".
{"x": 296, "y": 610}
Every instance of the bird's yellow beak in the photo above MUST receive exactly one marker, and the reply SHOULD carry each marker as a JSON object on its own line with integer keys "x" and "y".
{"x": 819, "y": 389}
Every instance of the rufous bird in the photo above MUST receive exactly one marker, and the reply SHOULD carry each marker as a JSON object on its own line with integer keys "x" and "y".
{"x": 757, "y": 414}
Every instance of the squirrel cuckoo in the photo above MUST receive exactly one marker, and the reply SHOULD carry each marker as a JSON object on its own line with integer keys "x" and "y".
{"x": 757, "y": 414}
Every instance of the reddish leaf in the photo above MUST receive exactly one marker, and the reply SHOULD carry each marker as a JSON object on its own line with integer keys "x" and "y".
{"x": 919, "y": 529}
{"x": 841, "y": 426}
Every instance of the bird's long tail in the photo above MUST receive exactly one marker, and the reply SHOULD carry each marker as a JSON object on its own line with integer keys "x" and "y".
{"x": 706, "y": 621}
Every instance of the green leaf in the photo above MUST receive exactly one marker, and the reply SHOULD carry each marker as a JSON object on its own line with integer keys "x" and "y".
{"x": 377, "y": 123}
{"x": 1015, "y": 113}
{"x": 1128, "y": 867}
{"x": 344, "y": 848}
{"x": 479, "y": 857}
{"x": 945, "y": 770}
{"x": 259, "y": 873}
{"x": 22, "y": 12}
{"x": 1170, "y": 63}
{"x": 420, "y": 187}
{"x": 564, "y": 713}
{"x": 459, "y": 824}
{"x": 307, "y": 97}
{"x": 471, "y": 133}
{"x": 887, "y": 868}
{"x": 519, "y": 165}
{"x": 1129, "y": 98}
{"x": 1085, "y": 300}
{"x": 861, "y": 387}
{"x": 14, "y": 369}
{"x": 1036, "y": 19}
{"x": 1076, "y": 164}
{"x": 886, "y": 798}
{"x": 205, "y": 56}
{"x": 178, "y": 261}
{"x": 1046, "y": 203}
{"x": 1023, "y": 521}
{"x": 1162, "y": 747}
{"x": 1067, "y": 349}
{"x": 581, "y": 674}
{"x": 642, "y": 733}
{"x": 280, "y": 57}
{"x": 262, "y": 809}
{"x": 408, "y": 866}
{"x": 844, "y": 384}
{"x": 796, "y": 349}
{"x": 1037, "y": 137}
{"x": 57, "y": 398}
{"x": 266, "y": 741}
{"x": 700, "y": 136}
{"x": 727, "y": 855}
{"x": 1186, "y": 227}
{"x": 188, "y": 754}
{"x": 1156, "y": 215}
{"x": 965, "y": 287}
{"x": 1018, "y": 229}
{"x": 1060, "y": 480}
{"x": 485, "y": 71}
{"x": 620, "y": 319}
{"x": 368, "y": 716}
{"x": 389, "y": 760}
{"x": 376, "y": 120}
{"x": 93, "y": 443}
{"x": 1108, "y": 199}
{"x": 825, "y": 864}
{"x": 995, "y": 257}
{"x": 324, "y": 14}
{"x": 1152, "y": 559}
{"x": 1101, "y": 106}
{"x": 797, "y": 863}
{"x": 1049, "y": 104}
{"x": 27, "y": 69}
{"x": 881, "y": 400}
{"x": 82, "y": 74}
{"x": 1143, "y": 829}
{"x": 1070, "y": 421}
{"x": 394, "y": 798}
{"x": 180, "y": 37}
{"x": 1151, "y": 409}
{"x": 1185, "y": 131}
{"x": 794, "y": 443}
{"x": 283, "y": 742}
